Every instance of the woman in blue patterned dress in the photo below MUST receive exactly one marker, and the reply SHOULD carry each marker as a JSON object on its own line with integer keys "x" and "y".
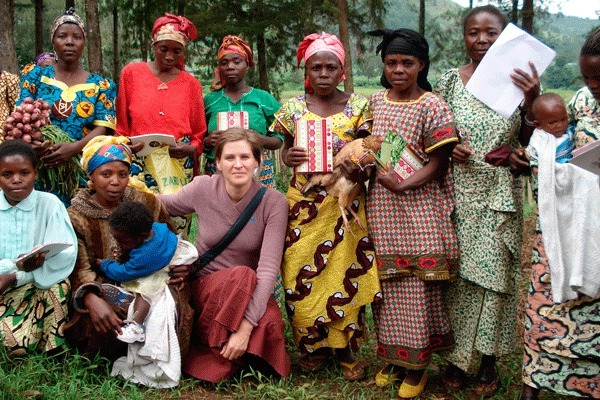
{"x": 82, "y": 104}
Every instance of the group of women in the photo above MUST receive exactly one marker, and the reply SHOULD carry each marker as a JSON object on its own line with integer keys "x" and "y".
{"x": 437, "y": 254}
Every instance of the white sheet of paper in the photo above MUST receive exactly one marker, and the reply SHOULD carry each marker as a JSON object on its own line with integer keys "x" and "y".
{"x": 491, "y": 82}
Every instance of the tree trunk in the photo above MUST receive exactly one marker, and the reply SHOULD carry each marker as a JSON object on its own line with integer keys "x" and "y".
{"x": 527, "y": 23}
{"x": 94, "y": 41}
{"x": 181, "y": 7}
{"x": 263, "y": 73}
{"x": 8, "y": 61}
{"x": 39, "y": 26}
{"x": 345, "y": 39}
{"x": 116, "y": 61}
{"x": 515, "y": 12}
{"x": 422, "y": 17}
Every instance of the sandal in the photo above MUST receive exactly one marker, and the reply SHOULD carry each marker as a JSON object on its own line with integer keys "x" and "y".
{"x": 353, "y": 371}
{"x": 314, "y": 362}
{"x": 454, "y": 378}
{"x": 486, "y": 384}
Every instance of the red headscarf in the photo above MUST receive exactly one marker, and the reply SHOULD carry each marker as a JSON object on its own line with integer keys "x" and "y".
{"x": 176, "y": 28}
{"x": 316, "y": 42}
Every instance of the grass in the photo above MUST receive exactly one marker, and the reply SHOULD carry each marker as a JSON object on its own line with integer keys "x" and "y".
{"x": 70, "y": 376}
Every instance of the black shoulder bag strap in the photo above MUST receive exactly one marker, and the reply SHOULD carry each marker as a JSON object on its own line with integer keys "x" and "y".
{"x": 233, "y": 231}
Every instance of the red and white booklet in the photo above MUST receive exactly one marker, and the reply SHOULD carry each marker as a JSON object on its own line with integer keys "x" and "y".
{"x": 51, "y": 249}
{"x": 232, "y": 119}
{"x": 587, "y": 157}
{"x": 316, "y": 137}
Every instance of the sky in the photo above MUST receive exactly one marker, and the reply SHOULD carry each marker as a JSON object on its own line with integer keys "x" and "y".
{"x": 577, "y": 8}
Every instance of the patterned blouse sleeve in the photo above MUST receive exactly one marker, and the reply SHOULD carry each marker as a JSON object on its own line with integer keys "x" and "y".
{"x": 12, "y": 90}
{"x": 443, "y": 87}
{"x": 105, "y": 112}
{"x": 365, "y": 114}
{"x": 30, "y": 80}
{"x": 439, "y": 125}
{"x": 581, "y": 112}
{"x": 284, "y": 122}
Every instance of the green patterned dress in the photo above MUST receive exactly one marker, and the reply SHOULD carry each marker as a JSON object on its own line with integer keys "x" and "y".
{"x": 489, "y": 220}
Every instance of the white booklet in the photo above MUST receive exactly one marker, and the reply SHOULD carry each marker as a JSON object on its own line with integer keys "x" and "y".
{"x": 152, "y": 141}
{"x": 491, "y": 82}
{"x": 51, "y": 249}
{"x": 587, "y": 157}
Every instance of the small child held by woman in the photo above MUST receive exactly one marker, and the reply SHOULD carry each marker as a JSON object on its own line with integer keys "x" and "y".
{"x": 147, "y": 249}
{"x": 550, "y": 117}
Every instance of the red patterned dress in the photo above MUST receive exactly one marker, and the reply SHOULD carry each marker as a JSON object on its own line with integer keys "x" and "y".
{"x": 414, "y": 238}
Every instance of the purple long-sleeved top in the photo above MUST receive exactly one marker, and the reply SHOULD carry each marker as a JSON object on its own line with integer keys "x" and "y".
{"x": 259, "y": 245}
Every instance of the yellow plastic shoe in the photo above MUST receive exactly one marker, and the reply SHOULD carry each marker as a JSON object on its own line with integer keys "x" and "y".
{"x": 382, "y": 379}
{"x": 408, "y": 391}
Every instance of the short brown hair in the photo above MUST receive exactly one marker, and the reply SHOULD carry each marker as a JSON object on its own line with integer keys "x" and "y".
{"x": 235, "y": 135}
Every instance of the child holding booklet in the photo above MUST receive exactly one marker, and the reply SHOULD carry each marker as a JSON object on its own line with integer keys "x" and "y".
{"x": 408, "y": 214}
{"x": 34, "y": 292}
{"x": 147, "y": 249}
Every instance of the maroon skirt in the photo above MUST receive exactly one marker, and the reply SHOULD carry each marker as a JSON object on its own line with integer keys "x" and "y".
{"x": 220, "y": 300}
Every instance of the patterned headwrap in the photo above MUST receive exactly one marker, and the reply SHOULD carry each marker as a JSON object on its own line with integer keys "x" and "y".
{"x": 173, "y": 27}
{"x": 104, "y": 149}
{"x": 231, "y": 44}
{"x": 234, "y": 44}
{"x": 43, "y": 57}
{"x": 404, "y": 41}
{"x": 316, "y": 42}
{"x": 69, "y": 17}
{"x": 176, "y": 28}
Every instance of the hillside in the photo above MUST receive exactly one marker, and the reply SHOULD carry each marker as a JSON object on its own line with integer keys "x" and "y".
{"x": 443, "y": 30}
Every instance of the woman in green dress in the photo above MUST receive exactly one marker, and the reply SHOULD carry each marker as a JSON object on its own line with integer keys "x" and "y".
{"x": 488, "y": 215}
{"x": 231, "y": 93}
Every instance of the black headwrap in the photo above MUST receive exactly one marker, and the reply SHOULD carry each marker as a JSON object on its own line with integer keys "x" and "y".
{"x": 404, "y": 41}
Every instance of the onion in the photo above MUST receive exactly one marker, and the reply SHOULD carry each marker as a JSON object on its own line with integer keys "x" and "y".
{"x": 26, "y": 138}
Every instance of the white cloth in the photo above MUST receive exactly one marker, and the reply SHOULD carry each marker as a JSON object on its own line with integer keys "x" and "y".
{"x": 157, "y": 361}
{"x": 569, "y": 212}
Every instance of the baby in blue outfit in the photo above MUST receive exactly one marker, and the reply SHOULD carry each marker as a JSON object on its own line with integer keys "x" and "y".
{"x": 147, "y": 249}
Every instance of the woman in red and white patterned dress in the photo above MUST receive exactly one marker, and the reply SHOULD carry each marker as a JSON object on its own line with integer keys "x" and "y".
{"x": 409, "y": 220}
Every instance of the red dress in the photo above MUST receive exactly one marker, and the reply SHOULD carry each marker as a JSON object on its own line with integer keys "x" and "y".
{"x": 147, "y": 105}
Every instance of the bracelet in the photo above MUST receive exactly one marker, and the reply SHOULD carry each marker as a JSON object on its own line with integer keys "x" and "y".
{"x": 527, "y": 121}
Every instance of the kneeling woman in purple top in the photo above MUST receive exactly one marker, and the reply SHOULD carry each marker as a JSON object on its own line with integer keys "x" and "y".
{"x": 237, "y": 320}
